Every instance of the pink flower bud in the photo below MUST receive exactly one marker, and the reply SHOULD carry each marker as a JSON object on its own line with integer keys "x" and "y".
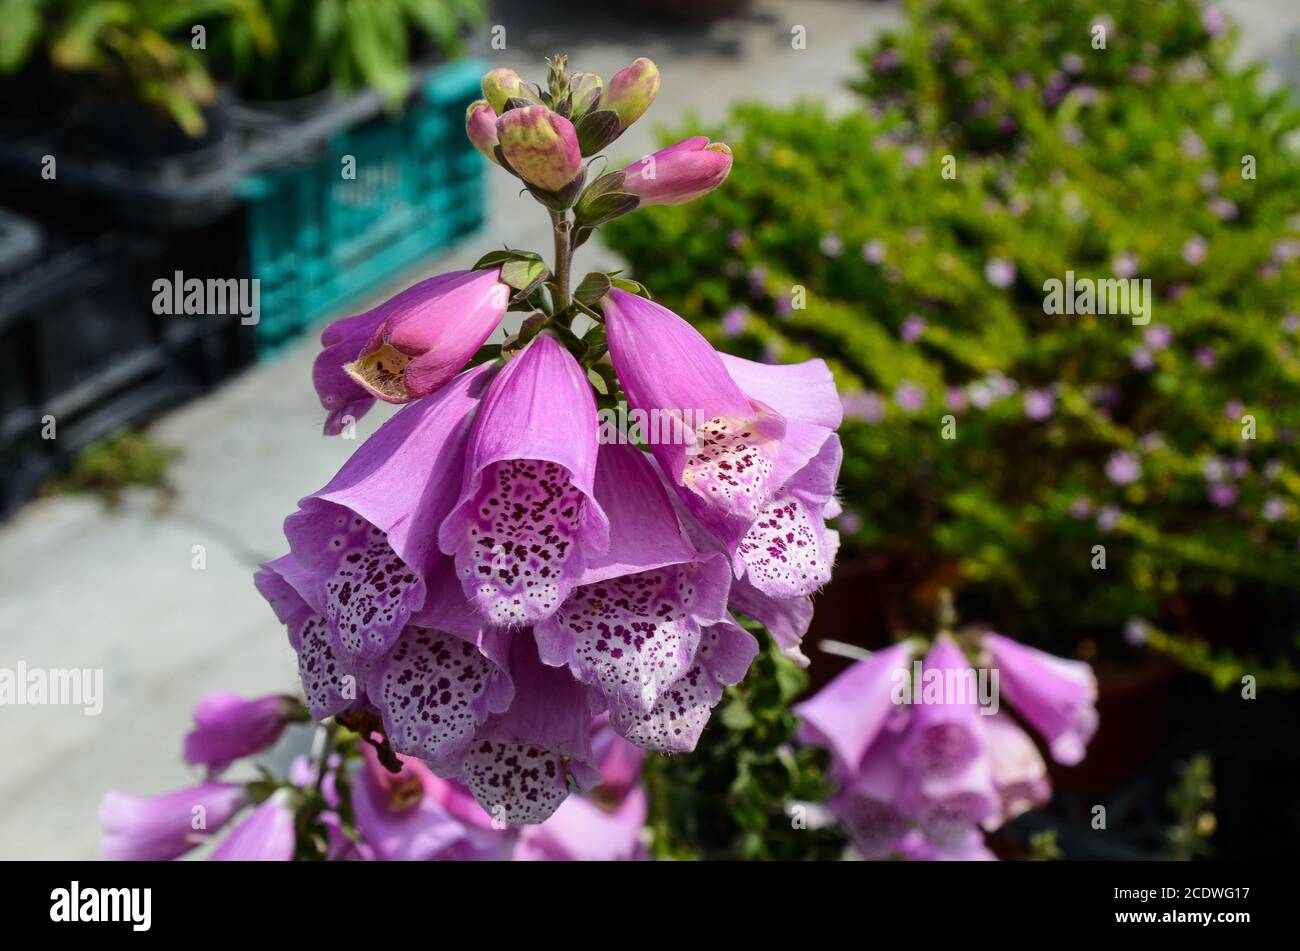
{"x": 541, "y": 146}
{"x": 679, "y": 173}
{"x": 631, "y": 91}
{"x": 481, "y": 127}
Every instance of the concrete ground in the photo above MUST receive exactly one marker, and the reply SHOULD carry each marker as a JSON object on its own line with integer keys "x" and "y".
{"x": 84, "y": 587}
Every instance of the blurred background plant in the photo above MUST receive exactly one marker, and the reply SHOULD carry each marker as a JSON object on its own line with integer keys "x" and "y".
{"x": 345, "y": 43}
{"x": 147, "y": 51}
{"x": 107, "y": 469}
{"x": 136, "y": 50}
{"x": 844, "y": 238}
{"x": 1192, "y": 802}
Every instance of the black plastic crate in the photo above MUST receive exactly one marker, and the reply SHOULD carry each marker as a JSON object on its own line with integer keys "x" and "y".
{"x": 80, "y": 342}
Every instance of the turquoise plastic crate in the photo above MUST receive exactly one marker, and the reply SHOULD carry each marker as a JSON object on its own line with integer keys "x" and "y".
{"x": 319, "y": 242}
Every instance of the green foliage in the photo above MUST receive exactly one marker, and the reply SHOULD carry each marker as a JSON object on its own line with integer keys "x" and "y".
{"x": 1192, "y": 801}
{"x": 107, "y": 468}
{"x": 348, "y": 43}
{"x": 1132, "y": 161}
{"x": 140, "y": 48}
{"x": 728, "y": 799}
{"x": 269, "y": 49}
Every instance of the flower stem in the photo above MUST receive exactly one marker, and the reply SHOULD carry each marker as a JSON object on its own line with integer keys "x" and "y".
{"x": 563, "y": 253}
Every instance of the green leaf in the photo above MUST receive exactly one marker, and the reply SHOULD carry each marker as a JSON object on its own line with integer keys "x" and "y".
{"x": 605, "y": 208}
{"x": 524, "y": 274}
{"x": 596, "y": 130}
{"x": 632, "y": 287}
{"x": 592, "y": 288}
{"x": 497, "y": 258}
{"x": 736, "y": 716}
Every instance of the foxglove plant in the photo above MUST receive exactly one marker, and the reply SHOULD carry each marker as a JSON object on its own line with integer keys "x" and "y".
{"x": 926, "y": 762}
{"x": 495, "y": 570}
{"x": 352, "y": 800}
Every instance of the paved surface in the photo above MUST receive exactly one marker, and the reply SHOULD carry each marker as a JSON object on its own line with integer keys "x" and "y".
{"x": 84, "y": 587}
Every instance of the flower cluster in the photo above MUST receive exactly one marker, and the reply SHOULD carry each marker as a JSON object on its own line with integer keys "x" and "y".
{"x": 486, "y": 575}
{"x": 926, "y": 760}
{"x": 349, "y": 800}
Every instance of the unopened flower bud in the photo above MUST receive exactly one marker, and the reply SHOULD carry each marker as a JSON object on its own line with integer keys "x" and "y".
{"x": 679, "y": 173}
{"x": 631, "y": 91}
{"x": 584, "y": 92}
{"x": 481, "y": 127}
{"x": 541, "y": 146}
{"x": 501, "y": 84}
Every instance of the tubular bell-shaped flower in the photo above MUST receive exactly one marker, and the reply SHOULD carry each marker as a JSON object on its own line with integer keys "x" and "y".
{"x": 849, "y": 713}
{"x": 527, "y": 521}
{"x": 227, "y": 727}
{"x": 633, "y": 625}
{"x": 427, "y": 338}
{"x": 944, "y": 736}
{"x": 330, "y": 679}
{"x": 442, "y": 678}
{"x": 869, "y": 802}
{"x": 676, "y": 721}
{"x": 723, "y": 469}
{"x": 1057, "y": 697}
{"x": 159, "y": 828}
{"x": 521, "y": 760}
{"x": 266, "y": 835}
{"x": 602, "y": 827}
{"x": 408, "y": 346}
{"x": 403, "y": 818}
{"x": 788, "y": 551}
{"x": 367, "y": 540}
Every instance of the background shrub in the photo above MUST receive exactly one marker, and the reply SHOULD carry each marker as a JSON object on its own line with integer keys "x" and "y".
{"x": 926, "y": 294}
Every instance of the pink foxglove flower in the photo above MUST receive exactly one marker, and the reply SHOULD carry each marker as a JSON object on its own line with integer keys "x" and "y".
{"x": 634, "y": 625}
{"x": 404, "y": 817}
{"x": 1057, "y": 697}
{"x": 425, "y": 339}
{"x": 159, "y": 828}
{"x": 925, "y": 778}
{"x": 227, "y": 728}
{"x": 266, "y": 835}
{"x": 527, "y": 522}
{"x": 483, "y": 580}
{"x": 368, "y": 540}
{"x": 762, "y": 458}
{"x": 604, "y": 827}
{"x": 849, "y": 713}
